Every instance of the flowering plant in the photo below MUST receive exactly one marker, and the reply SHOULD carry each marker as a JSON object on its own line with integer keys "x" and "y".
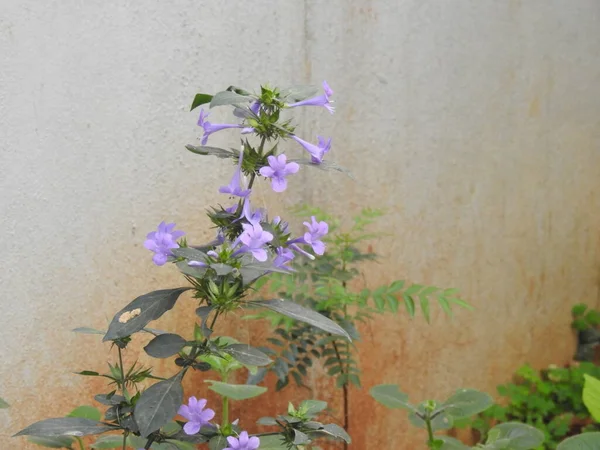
{"x": 220, "y": 274}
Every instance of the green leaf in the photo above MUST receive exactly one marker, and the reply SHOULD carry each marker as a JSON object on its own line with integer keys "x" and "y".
{"x": 3, "y": 404}
{"x": 449, "y": 443}
{"x": 273, "y": 442}
{"x": 228, "y": 98}
{"x": 518, "y": 436}
{"x": 218, "y": 443}
{"x": 236, "y": 391}
{"x": 391, "y": 396}
{"x": 87, "y": 330}
{"x": 86, "y": 412}
{"x": 247, "y": 355}
{"x": 336, "y": 431}
{"x": 213, "y": 151}
{"x": 410, "y": 304}
{"x": 52, "y": 442}
{"x": 200, "y": 99}
{"x": 303, "y": 314}
{"x": 313, "y": 407}
{"x": 65, "y": 426}
{"x": 300, "y": 437}
{"x": 159, "y": 404}
{"x": 585, "y": 441}
{"x": 591, "y": 396}
{"x": 111, "y": 441}
{"x": 467, "y": 402}
{"x": 442, "y": 421}
{"x": 141, "y": 311}
{"x": 165, "y": 345}
{"x": 425, "y": 307}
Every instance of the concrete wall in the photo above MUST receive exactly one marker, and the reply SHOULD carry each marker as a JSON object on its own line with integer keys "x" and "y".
{"x": 475, "y": 122}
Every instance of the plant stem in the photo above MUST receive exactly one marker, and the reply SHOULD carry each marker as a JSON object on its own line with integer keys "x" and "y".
{"x": 429, "y": 430}
{"x": 125, "y": 440}
{"x": 80, "y": 442}
{"x": 122, "y": 370}
{"x": 225, "y": 409}
{"x": 149, "y": 443}
{"x": 345, "y": 392}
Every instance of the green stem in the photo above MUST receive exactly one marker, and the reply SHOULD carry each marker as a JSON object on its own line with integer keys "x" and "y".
{"x": 430, "y": 438}
{"x": 80, "y": 442}
{"x": 122, "y": 370}
{"x": 149, "y": 443}
{"x": 225, "y": 412}
{"x": 125, "y": 440}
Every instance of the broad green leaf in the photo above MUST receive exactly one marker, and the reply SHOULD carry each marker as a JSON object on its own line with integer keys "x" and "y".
{"x": 200, "y": 99}
{"x": 87, "y": 330}
{"x": 111, "y": 441}
{"x": 273, "y": 442}
{"x": 159, "y": 404}
{"x": 52, "y": 442}
{"x": 336, "y": 431}
{"x": 467, "y": 402}
{"x": 247, "y": 355}
{"x": 65, "y": 426}
{"x": 391, "y": 396}
{"x": 3, "y": 404}
{"x": 585, "y": 441}
{"x": 86, "y": 412}
{"x": 218, "y": 443}
{"x": 141, "y": 311}
{"x": 591, "y": 396}
{"x": 109, "y": 400}
{"x": 449, "y": 443}
{"x": 313, "y": 407}
{"x": 236, "y": 391}
{"x": 229, "y": 98}
{"x": 165, "y": 345}
{"x": 300, "y": 438}
{"x": 518, "y": 435}
{"x": 297, "y": 312}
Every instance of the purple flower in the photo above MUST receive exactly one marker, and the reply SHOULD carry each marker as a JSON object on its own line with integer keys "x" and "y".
{"x": 162, "y": 241}
{"x": 210, "y": 128}
{"x": 316, "y": 230}
{"x": 253, "y": 217}
{"x": 321, "y": 100}
{"x": 316, "y": 151}
{"x": 277, "y": 170}
{"x": 195, "y": 413}
{"x": 284, "y": 255}
{"x": 235, "y": 187}
{"x": 255, "y": 107}
{"x": 254, "y": 239}
{"x": 243, "y": 442}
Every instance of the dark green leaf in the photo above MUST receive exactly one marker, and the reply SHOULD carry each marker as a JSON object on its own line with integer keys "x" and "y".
{"x": 141, "y": 311}
{"x": 65, "y": 426}
{"x": 218, "y": 443}
{"x": 303, "y": 314}
{"x": 273, "y": 442}
{"x": 247, "y": 355}
{"x": 158, "y": 404}
{"x": 337, "y": 432}
{"x": 205, "y": 150}
{"x": 52, "y": 442}
{"x": 165, "y": 345}
{"x": 200, "y": 99}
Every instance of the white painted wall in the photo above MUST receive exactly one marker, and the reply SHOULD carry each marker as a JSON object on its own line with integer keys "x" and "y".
{"x": 475, "y": 122}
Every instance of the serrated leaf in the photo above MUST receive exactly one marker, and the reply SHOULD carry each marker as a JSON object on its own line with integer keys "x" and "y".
{"x": 86, "y": 412}
{"x": 390, "y": 395}
{"x": 247, "y": 355}
{"x": 159, "y": 404}
{"x": 65, "y": 426}
{"x": 229, "y": 98}
{"x": 303, "y": 314}
{"x": 52, "y": 442}
{"x": 236, "y": 391}
{"x": 585, "y": 441}
{"x": 144, "y": 309}
{"x": 165, "y": 345}
{"x": 200, "y": 99}
{"x": 591, "y": 396}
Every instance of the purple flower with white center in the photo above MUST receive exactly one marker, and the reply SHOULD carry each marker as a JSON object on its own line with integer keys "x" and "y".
{"x": 284, "y": 256}
{"x": 316, "y": 230}
{"x": 321, "y": 100}
{"x": 277, "y": 170}
{"x": 243, "y": 442}
{"x": 210, "y": 128}
{"x": 235, "y": 187}
{"x": 196, "y": 414}
{"x": 162, "y": 241}
{"x": 317, "y": 152}
{"x": 254, "y": 239}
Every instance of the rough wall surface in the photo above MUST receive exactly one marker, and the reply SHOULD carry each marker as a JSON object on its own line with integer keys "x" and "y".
{"x": 474, "y": 122}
